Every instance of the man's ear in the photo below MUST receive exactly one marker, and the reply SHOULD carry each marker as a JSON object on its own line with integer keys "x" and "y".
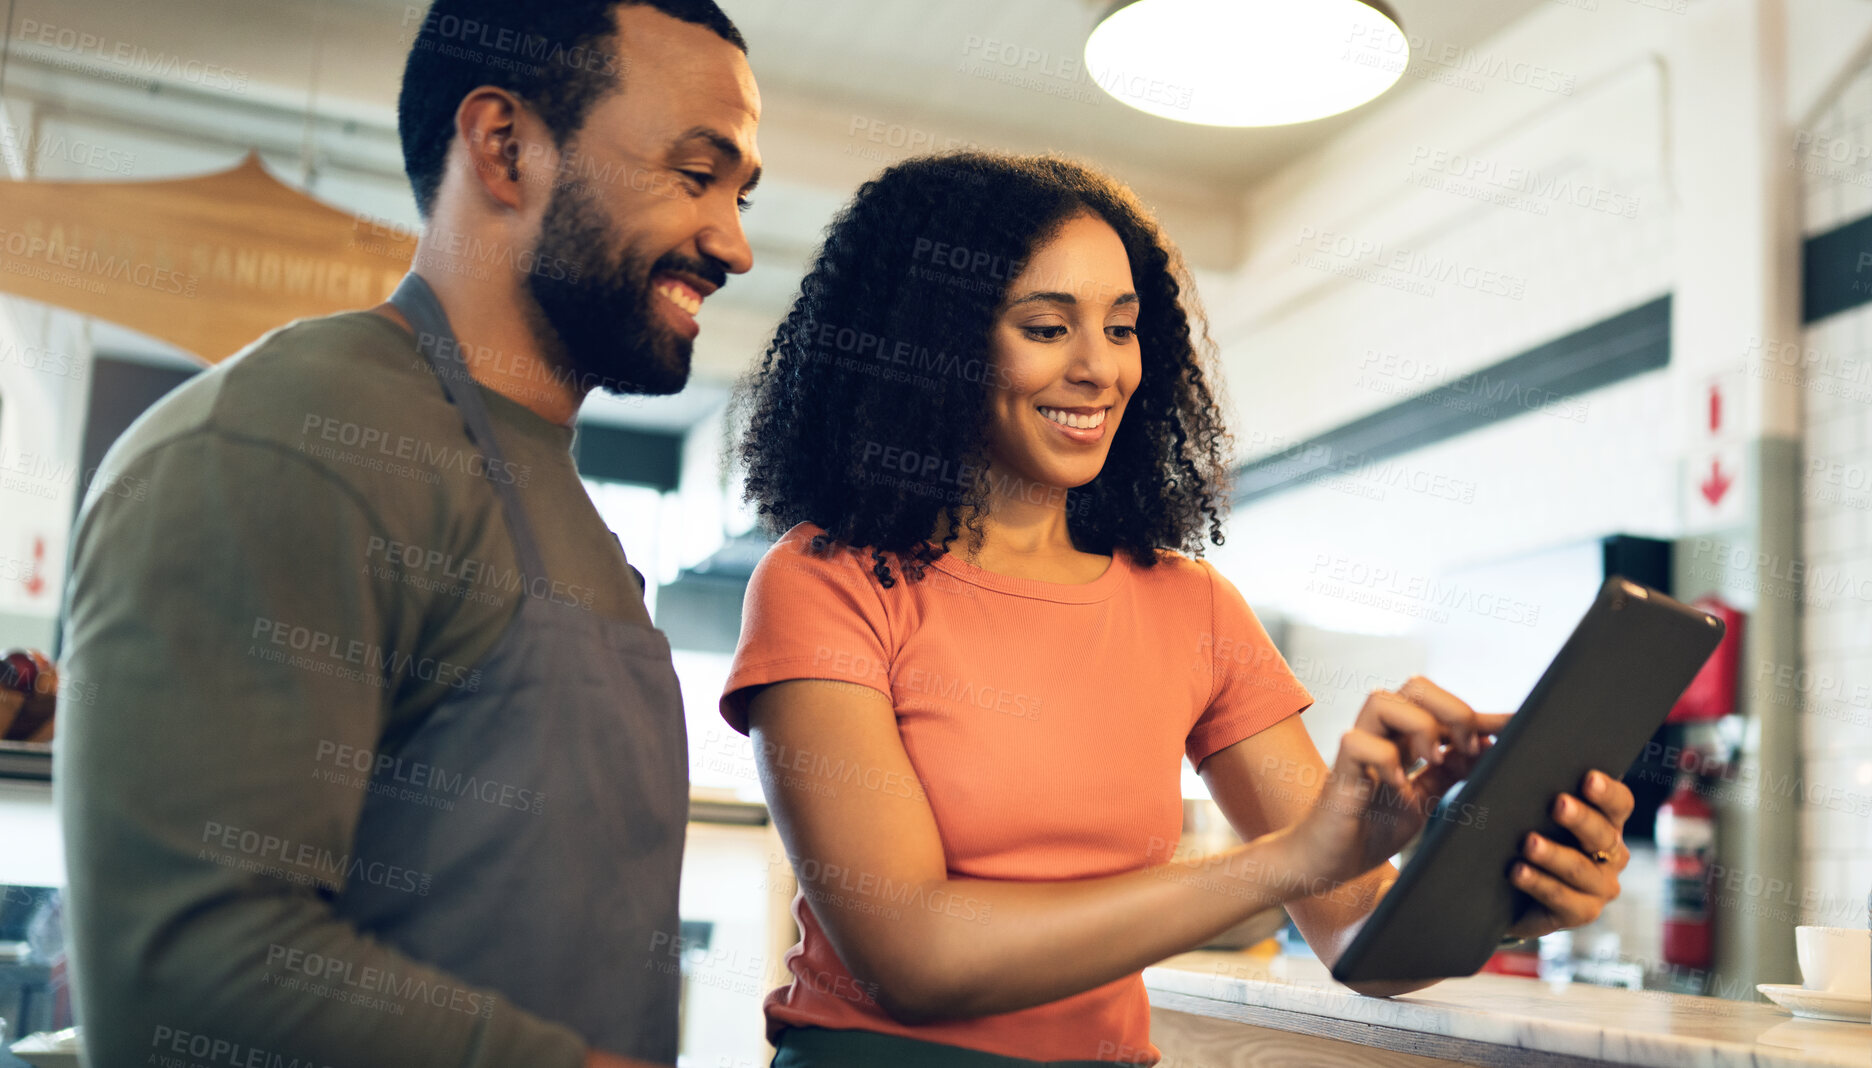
{"x": 488, "y": 122}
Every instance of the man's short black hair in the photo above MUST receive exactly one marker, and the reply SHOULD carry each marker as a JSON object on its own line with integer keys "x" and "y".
{"x": 557, "y": 55}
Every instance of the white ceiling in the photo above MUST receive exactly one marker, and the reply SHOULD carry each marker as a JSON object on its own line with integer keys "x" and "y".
{"x": 848, "y": 86}
{"x": 903, "y": 59}
{"x": 893, "y": 60}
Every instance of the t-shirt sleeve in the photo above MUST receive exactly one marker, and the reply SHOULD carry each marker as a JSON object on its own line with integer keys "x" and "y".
{"x": 1254, "y": 688}
{"x": 808, "y": 615}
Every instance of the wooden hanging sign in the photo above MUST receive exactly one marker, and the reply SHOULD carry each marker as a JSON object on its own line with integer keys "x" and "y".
{"x": 208, "y": 263}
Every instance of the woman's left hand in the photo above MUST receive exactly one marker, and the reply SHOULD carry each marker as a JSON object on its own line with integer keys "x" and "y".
{"x": 1572, "y": 886}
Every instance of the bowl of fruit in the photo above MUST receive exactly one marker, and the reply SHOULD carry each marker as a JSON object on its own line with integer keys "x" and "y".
{"x": 28, "y": 696}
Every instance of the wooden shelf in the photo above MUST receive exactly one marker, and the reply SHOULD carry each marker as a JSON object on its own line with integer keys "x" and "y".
{"x": 19, "y": 760}
{"x": 743, "y": 813}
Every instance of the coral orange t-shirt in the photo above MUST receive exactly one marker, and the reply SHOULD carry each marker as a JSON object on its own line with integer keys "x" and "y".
{"x": 1046, "y": 722}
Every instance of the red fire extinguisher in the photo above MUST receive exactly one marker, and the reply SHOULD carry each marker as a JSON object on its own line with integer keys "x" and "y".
{"x": 1686, "y": 824}
{"x": 1686, "y": 843}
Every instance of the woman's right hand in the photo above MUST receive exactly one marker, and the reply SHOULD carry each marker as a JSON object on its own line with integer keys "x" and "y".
{"x": 1369, "y": 808}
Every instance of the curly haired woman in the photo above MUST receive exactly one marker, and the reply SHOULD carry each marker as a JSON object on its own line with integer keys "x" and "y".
{"x": 974, "y": 660}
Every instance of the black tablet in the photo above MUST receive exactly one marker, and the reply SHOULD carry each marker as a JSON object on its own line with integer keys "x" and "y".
{"x": 1606, "y": 692}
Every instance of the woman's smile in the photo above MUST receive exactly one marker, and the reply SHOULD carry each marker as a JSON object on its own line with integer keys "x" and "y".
{"x": 1083, "y": 425}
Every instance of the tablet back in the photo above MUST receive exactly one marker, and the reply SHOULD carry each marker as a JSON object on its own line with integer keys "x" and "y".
{"x": 1603, "y": 696}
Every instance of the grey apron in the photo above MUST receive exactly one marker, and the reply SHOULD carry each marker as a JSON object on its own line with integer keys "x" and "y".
{"x": 570, "y": 912}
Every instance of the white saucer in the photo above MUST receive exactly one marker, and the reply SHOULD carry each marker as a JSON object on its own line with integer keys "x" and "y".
{"x": 1818, "y": 1004}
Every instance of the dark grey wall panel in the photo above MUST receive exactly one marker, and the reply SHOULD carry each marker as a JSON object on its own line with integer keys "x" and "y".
{"x": 618, "y": 454}
{"x": 1836, "y": 270}
{"x": 1609, "y": 351}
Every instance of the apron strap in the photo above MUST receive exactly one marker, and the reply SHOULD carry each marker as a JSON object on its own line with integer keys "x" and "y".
{"x": 436, "y": 341}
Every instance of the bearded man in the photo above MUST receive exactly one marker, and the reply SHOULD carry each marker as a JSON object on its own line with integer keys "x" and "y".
{"x": 383, "y": 762}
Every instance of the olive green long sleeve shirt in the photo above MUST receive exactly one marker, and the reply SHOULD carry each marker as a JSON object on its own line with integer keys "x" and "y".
{"x": 278, "y": 572}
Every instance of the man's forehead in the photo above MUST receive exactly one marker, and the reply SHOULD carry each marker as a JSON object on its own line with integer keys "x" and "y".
{"x": 651, "y": 42}
{"x": 698, "y": 82}
{"x": 732, "y": 110}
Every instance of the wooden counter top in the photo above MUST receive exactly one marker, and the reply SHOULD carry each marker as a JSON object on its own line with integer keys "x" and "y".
{"x": 1484, "y": 1020}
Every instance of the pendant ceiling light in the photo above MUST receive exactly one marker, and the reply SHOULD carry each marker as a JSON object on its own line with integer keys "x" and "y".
{"x": 1247, "y": 62}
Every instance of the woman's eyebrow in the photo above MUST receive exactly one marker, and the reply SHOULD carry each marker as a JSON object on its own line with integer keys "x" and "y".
{"x": 1044, "y": 298}
{"x": 1064, "y": 298}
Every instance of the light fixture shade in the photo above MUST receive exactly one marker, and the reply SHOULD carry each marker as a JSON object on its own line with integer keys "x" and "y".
{"x": 1247, "y": 62}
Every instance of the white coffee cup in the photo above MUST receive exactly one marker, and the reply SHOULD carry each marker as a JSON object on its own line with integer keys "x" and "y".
{"x": 1837, "y": 960}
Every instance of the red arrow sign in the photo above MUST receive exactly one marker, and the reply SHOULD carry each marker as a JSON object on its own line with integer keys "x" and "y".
{"x": 1716, "y": 486}
{"x": 35, "y": 579}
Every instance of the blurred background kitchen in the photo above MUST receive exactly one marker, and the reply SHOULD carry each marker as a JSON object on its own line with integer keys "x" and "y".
{"x": 1584, "y": 291}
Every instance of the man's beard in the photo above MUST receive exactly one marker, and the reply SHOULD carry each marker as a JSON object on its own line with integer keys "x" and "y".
{"x": 595, "y": 321}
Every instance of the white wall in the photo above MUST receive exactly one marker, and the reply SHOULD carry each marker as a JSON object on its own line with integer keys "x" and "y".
{"x": 1836, "y": 725}
{"x": 45, "y": 372}
{"x": 1453, "y": 229}
{"x": 1387, "y": 231}
{"x": 35, "y": 852}
{"x": 1418, "y": 248}
{"x": 1835, "y": 377}
{"x": 45, "y": 380}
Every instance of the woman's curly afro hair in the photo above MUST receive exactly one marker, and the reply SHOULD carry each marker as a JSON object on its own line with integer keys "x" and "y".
{"x": 868, "y": 417}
